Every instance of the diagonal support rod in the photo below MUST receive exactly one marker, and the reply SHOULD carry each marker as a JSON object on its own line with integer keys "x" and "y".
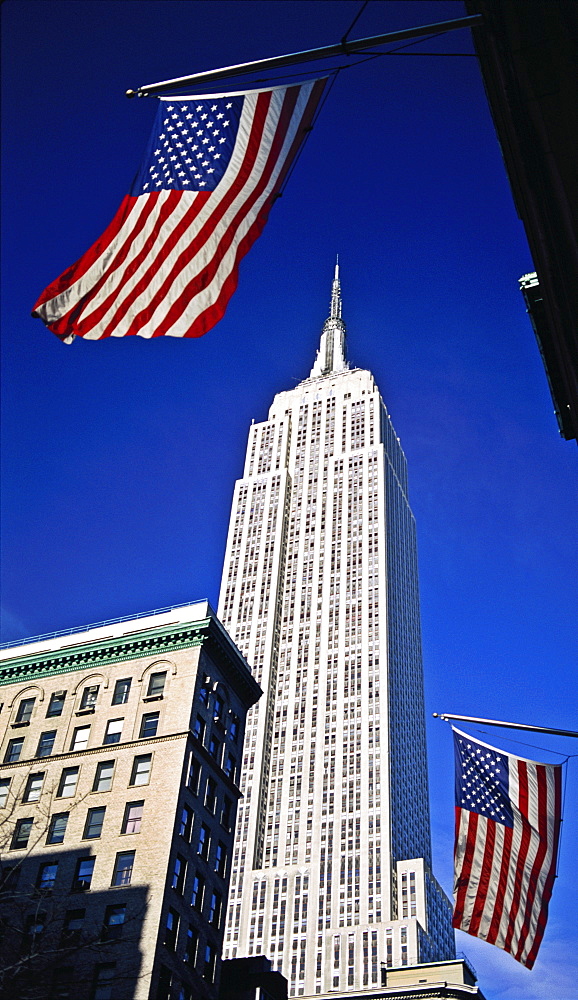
{"x": 276, "y": 62}
{"x": 506, "y": 725}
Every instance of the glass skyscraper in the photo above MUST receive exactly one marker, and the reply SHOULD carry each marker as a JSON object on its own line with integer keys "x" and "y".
{"x": 331, "y": 874}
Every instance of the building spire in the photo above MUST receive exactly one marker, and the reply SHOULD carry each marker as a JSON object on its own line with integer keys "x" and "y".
{"x": 331, "y": 354}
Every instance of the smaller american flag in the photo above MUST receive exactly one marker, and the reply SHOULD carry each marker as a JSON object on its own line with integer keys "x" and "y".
{"x": 508, "y": 813}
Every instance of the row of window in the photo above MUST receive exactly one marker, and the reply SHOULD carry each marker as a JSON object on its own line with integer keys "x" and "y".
{"x": 103, "y": 777}
{"x": 148, "y": 728}
{"x": 83, "y": 873}
{"x": 89, "y": 697}
{"x": 92, "y": 827}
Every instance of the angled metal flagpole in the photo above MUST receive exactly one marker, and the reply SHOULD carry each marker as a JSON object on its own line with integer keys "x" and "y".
{"x": 506, "y": 725}
{"x": 343, "y": 47}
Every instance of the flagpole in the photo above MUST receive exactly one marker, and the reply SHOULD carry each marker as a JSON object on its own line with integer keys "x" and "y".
{"x": 343, "y": 47}
{"x": 506, "y": 725}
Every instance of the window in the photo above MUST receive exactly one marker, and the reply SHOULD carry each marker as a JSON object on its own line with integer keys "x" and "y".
{"x": 67, "y": 783}
{"x": 186, "y": 824}
{"x": 33, "y": 928}
{"x": 215, "y": 748}
{"x": 221, "y": 859}
{"x": 191, "y": 944}
{"x": 114, "y": 918}
{"x": 103, "y": 981}
{"x": 194, "y": 775}
{"x": 14, "y": 750}
{"x": 233, "y": 727}
{"x": 113, "y": 731}
{"x": 94, "y": 821}
{"x": 141, "y": 770}
{"x": 9, "y": 875}
{"x": 121, "y": 691}
{"x": 83, "y": 874}
{"x": 165, "y": 980}
{"x": 171, "y": 929}
{"x": 199, "y": 729}
{"x": 4, "y": 789}
{"x": 197, "y": 892}
{"x": 204, "y": 841}
{"x": 80, "y": 738}
{"x": 56, "y": 704}
{"x": 46, "y": 743}
{"x": 179, "y": 873}
{"x": 156, "y": 685}
{"x": 123, "y": 866}
{"x": 47, "y": 876}
{"x": 217, "y": 707}
{"x": 89, "y": 696}
{"x": 209, "y": 966}
{"x": 21, "y": 834}
{"x": 103, "y": 776}
{"x": 211, "y": 795}
{"x": 62, "y": 983}
{"x": 132, "y": 817}
{"x": 149, "y": 725}
{"x": 215, "y": 907}
{"x": 57, "y": 828}
{"x": 226, "y": 813}
{"x": 230, "y": 766}
{"x": 72, "y": 929}
{"x": 33, "y": 787}
{"x": 24, "y": 712}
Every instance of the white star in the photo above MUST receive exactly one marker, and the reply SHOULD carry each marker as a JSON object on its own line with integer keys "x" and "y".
{"x": 211, "y": 170}
{"x": 217, "y": 156}
{"x": 222, "y": 140}
{"x": 229, "y": 105}
{"x": 162, "y": 136}
{"x": 202, "y": 184}
{"x": 146, "y": 185}
{"x": 184, "y": 107}
{"x": 211, "y": 149}
{"x": 189, "y": 115}
{"x": 173, "y": 158}
{"x": 174, "y": 117}
{"x": 220, "y": 115}
{"x": 185, "y": 131}
{"x": 161, "y": 159}
{"x": 179, "y": 145}
{"x": 214, "y": 107}
{"x": 186, "y": 181}
{"x": 216, "y": 131}
{"x": 199, "y": 107}
{"x": 205, "y": 163}
{"x": 203, "y": 117}
{"x": 209, "y": 124}
{"x": 170, "y": 107}
{"x": 205, "y": 141}
{"x": 226, "y": 123}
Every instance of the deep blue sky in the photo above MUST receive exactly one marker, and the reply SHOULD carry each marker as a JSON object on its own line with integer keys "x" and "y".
{"x": 120, "y": 457}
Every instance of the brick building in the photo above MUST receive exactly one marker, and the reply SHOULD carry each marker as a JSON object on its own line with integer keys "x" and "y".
{"x": 120, "y": 755}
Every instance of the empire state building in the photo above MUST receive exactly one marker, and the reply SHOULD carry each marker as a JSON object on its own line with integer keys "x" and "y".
{"x": 331, "y": 875}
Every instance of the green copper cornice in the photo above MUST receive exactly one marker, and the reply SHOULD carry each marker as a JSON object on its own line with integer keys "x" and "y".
{"x": 103, "y": 652}
{"x": 207, "y": 632}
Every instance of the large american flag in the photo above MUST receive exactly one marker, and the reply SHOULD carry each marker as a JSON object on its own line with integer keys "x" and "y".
{"x": 167, "y": 264}
{"x": 508, "y": 813}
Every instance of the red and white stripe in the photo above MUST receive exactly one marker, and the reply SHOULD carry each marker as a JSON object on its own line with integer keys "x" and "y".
{"x": 167, "y": 264}
{"x": 504, "y": 875}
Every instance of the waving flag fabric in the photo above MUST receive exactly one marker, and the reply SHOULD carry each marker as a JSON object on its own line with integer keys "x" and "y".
{"x": 508, "y": 813}
{"x": 167, "y": 264}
